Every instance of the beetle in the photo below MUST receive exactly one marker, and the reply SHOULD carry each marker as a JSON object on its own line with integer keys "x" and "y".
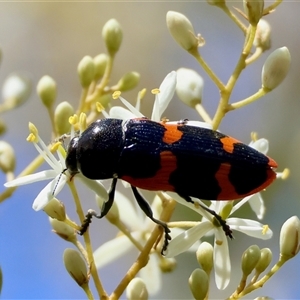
{"x": 161, "y": 156}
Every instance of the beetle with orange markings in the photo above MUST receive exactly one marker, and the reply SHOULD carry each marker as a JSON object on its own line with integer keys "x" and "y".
{"x": 161, "y": 156}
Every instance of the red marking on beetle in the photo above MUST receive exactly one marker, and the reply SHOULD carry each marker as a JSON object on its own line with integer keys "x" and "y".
{"x": 172, "y": 134}
{"x": 228, "y": 191}
{"x": 160, "y": 181}
{"x": 228, "y": 143}
{"x": 272, "y": 163}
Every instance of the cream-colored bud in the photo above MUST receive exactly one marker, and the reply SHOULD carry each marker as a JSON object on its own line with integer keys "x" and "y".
{"x": 205, "y": 254}
{"x": 16, "y": 90}
{"x": 263, "y": 35}
{"x": 189, "y": 87}
{"x": 46, "y": 89}
{"x": 76, "y": 266}
{"x": 276, "y": 68}
{"x": 63, "y": 230}
{"x": 128, "y": 81}
{"x": 226, "y": 210}
{"x": 167, "y": 265}
{"x": 137, "y": 290}
{"x": 264, "y": 261}
{"x": 199, "y": 284}
{"x": 182, "y": 30}
{"x": 2, "y": 127}
{"x": 62, "y": 114}
{"x": 112, "y": 35}
{"x": 55, "y": 209}
{"x": 250, "y": 258}
{"x": 104, "y": 100}
{"x": 7, "y": 157}
{"x": 290, "y": 238}
{"x": 254, "y": 10}
{"x": 100, "y": 62}
{"x": 86, "y": 70}
{"x": 216, "y": 2}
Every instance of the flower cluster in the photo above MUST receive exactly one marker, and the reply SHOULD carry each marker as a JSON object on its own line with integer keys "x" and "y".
{"x": 138, "y": 233}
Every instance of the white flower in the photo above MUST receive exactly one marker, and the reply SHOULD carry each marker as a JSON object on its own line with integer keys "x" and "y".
{"x": 140, "y": 228}
{"x": 222, "y": 264}
{"x": 163, "y": 97}
{"x": 256, "y": 201}
{"x": 56, "y": 173}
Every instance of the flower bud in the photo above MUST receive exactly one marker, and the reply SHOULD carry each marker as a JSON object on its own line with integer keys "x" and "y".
{"x": 7, "y": 157}
{"x": 289, "y": 240}
{"x": 250, "y": 258}
{"x": 2, "y": 127}
{"x": 216, "y": 2}
{"x": 104, "y": 100}
{"x": 136, "y": 290}
{"x": 182, "y": 30}
{"x": 128, "y": 81}
{"x": 86, "y": 70}
{"x": 254, "y": 10}
{"x": 275, "y": 68}
{"x": 263, "y": 35}
{"x": 16, "y": 90}
{"x": 264, "y": 261}
{"x": 226, "y": 210}
{"x": 55, "y": 209}
{"x": 100, "y": 62}
{"x": 189, "y": 87}
{"x": 75, "y": 266}
{"x": 199, "y": 284}
{"x": 46, "y": 89}
{"x": 261, "y": 145}
{"x": 112, "y": 35}
{"x": 167, "y": 265}
{"x": 205, "y": 258}
{"x": 63, "y": 230}
{"x": 62, "y": 114}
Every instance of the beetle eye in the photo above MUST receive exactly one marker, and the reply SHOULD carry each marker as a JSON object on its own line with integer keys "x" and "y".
{"x": 71, "y": 161}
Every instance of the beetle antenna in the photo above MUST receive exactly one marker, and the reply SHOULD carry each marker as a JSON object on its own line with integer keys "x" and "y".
{"x": 58, "y": 179}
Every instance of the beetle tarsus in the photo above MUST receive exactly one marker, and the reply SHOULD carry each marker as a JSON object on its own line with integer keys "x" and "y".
{"x": 222, "y": 222}
{"x": 88, "y": 220}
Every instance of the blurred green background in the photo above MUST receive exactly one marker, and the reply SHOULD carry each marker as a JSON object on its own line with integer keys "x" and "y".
{"x": 51, "y": 38}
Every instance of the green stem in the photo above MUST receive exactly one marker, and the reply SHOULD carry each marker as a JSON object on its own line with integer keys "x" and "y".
{"x": 233, "y": 17}
{"x": 226, "y": 92}
{"x": 260, "y": 93}
{"x": 104, "y": 81}
{"x": 261, "y": 282}
{"x": 272, "y": 7}
{"x": 101, "y": 292}
{"x": 207, "y": 69}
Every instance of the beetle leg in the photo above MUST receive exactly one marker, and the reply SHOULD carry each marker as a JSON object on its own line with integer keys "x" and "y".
{"x": 104, "y": 209}
{"x": 222, "y": 222}
{"x": 144, "y": 205}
